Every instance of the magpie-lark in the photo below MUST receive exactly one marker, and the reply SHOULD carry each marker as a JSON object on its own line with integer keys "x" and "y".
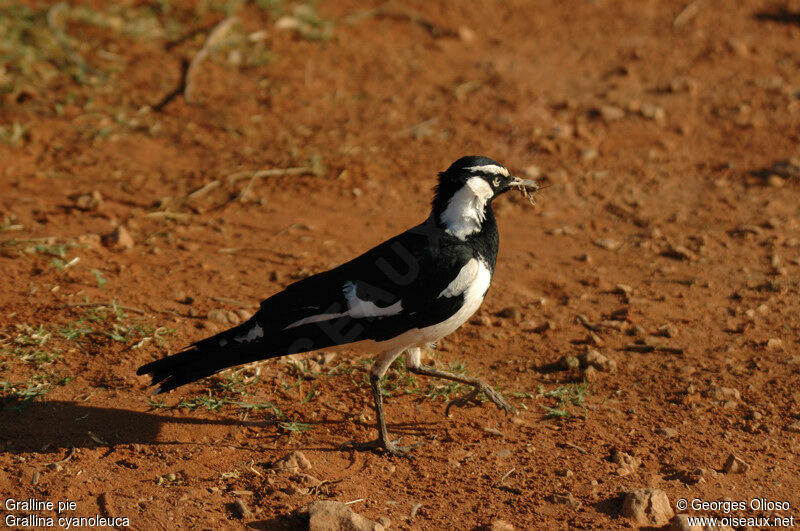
{"x": 396, "y": 298}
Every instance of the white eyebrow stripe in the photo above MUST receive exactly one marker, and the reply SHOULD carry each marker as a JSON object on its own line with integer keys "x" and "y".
{"x": 490, "y": 168}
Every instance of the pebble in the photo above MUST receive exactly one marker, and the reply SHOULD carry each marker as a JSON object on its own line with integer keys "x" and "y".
{"x": 293, "y": 462}
{"x": 623, "y": 459}
{"x": 652, "y": 112}
{"x": 734, "y": 465}
{"x": 610, "y": 113}
{"x": 608, "y": 243}
{"x": 482, "y": 320}
{"x": 242, "y": 510}
{"x": 569, "y": 362}
{"x": 647, "y": 507}
{"x": 593, "y": 358}
{"x": 668, "y": 433}
{"x": 504, "y": 454}
{"x": 774, "y": 344}
{"x": 723, "y": 393}
{"x": 219, "y": 317}
{"x": 775, "y": 181}
{"x": 500, "y": 525}
{"x": 668, "y": 330}
{"x": 326, "y": 515}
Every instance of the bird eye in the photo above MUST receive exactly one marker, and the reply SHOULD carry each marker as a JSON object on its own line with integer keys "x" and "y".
{"x": 496, "y": 182}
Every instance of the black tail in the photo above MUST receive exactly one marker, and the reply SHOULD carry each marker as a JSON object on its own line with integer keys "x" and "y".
{"x": 208, "y": 356}
{"x": 245, "y": 343}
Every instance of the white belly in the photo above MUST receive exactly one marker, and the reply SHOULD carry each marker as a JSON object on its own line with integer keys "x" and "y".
{"x": 421, "y": 337}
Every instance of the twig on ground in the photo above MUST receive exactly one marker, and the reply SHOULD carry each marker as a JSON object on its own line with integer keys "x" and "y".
{"x": 69, "y": 455}
{"x": 189, "y": 68}
{"x": 169, "y": 215}
{"x": 396, "y": 12}
{"x": 276, "y": 172}
{"x": 687, "y": 14}
{"x": 502, "y": 479}
{"x": 203, "y": 190}
{"x": 213, "y": 39}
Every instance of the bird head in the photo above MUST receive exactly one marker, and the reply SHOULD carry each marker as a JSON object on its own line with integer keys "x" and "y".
{"x": 466, "y": 189}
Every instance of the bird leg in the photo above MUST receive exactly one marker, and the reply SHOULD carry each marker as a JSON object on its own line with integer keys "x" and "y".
{"x": 414, "y": 365}
{"x": 383, "y": 441}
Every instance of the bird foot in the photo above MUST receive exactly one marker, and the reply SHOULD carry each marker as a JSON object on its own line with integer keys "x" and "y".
{"x": 390, "y": 447}
{"x": 490, "y": 393}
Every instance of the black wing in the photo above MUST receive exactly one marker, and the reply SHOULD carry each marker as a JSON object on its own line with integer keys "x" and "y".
{"x": 411, "y": 269}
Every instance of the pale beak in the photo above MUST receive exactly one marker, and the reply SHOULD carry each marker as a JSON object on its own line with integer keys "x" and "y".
{"x": 525, "y": 184}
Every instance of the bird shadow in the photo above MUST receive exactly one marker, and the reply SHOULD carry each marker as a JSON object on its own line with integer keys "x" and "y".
{"x": 783, "y": 16}
{"x": 51, "y": 425}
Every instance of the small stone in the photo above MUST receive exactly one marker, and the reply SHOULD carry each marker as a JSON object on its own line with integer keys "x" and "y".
{"x": 86, "y": 202}
{"x": 504, "y": 454}
{"x": 466, "y": 34}
{"x": 561, "y": 131}
{"x": 738, "y": 47}
{"x": 775, "y": 181}
{"x": 325, "y": 515}
{"x": 647, "y": 507}
{"x": 385, "y": 522}
{"x": 653, "y": 112}
{"x": 593, "y": 358}
{"x": 512, "y": 312}
{"x": 482, "y": 320}
{"x": 241, "y": 509}
{"x": 623, "y": 459}
{"x": 219, "y": 317}
{"x": 293, "y": 462}
{"x": 734, "y": 465}
{"x": 667, "y": 433}
{"x": 569, "y": 362}
{"x": 590, "y": 374}
{"x": 679, "y": 252}
{"x": 774, "y": 344}
{"x": 608, "y": 243}
{"x": 718, "y": 392}
{"x": 588, "y": 154}
{"x": 119, "y": 238}
{"x": 499, "y": 525}
{"x": 610, "y": 113}
{"x": 545, "y": 326}
{"x": 566, "y": 473}
{"x": 171, "y": 477}
{"x": 668, "y": 330}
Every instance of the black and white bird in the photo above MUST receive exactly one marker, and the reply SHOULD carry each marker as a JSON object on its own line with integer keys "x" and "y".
{"x": 401, "y": 296}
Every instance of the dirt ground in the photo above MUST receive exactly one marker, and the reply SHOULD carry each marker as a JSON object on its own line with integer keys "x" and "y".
{"x": 668, "y": 240}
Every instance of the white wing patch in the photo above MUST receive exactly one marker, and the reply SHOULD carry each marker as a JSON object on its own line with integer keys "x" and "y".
{"x": 490, "y": 168}
{"x": 359, "y": 308}
{"x": 251, "y": 335}
{"x": 356, "y": 308}
{"x": 465, "y": 278}
{"x": 466, "y": 210}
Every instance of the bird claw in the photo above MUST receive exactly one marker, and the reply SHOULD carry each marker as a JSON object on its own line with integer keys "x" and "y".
{"x": 490, "y": 393}
{"x": 390, "y": 447}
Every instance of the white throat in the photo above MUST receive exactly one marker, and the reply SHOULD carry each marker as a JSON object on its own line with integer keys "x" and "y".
{"x": 466, "y": 210}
